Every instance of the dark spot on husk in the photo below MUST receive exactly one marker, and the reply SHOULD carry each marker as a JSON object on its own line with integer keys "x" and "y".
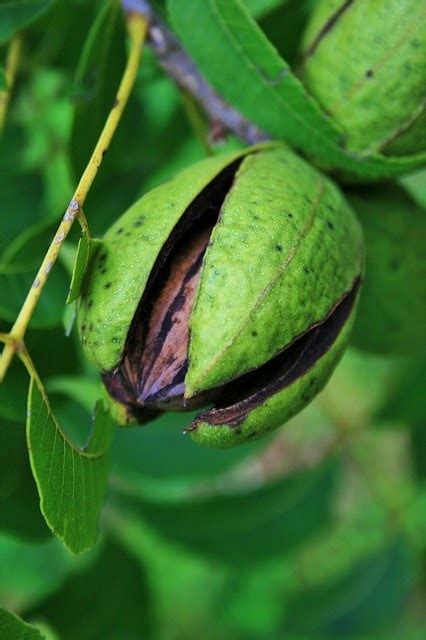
{"x": 107, "y": 285}
{"x": 330, "y": 225}
{"x": 369, "y": 73}
{"x": 278, "y": 247}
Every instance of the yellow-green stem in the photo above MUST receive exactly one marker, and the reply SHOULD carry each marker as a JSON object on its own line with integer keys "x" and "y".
{"x": 11, "y": 68}
{"x": 137, "y": 26}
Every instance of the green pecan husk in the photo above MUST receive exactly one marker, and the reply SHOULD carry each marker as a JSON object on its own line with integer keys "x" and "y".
{"x": 365, "y": 63}
{"x": 232, "y": 286}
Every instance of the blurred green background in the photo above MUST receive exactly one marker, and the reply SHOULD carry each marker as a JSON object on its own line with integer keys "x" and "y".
{"x": 318, "y": 532}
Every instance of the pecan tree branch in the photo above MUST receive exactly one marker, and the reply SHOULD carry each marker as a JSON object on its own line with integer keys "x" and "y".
{"x": 182, "y": 69}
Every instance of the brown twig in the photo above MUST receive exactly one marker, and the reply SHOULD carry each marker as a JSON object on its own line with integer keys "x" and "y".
{"x": 181, "y": 68}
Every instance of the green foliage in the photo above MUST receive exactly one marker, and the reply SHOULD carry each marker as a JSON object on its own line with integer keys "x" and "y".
{"x": 159, "y": 453}
{"x": 317, "y": 533}
{"x": 359, "y": 601}
{"x": 238, "y": 526}
{"x": 18, "y": 495}
{"x": 14, "y": 628}
{"x": 118, "y": 588}
{"x": 96, "y": 79}
{"x": 85, "y": 251}
{"x": 71, "y": 482}
{"x": 19, "y": 261}
{"x": 226, "y": 42}
{"x": 30, "y": 571}
{"x": 3, "y": 81}
{"x": 258, "y": 8}
{"x": 17, "y": 14}
{"x": 393, "y": 300}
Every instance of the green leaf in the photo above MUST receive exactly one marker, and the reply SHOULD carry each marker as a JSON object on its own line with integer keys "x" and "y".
{"x": 63, "y": 360}
{"x": 18, "y": 266}
{"x": 258, "y": 8}
{"x": 69, "y": 317}
{"x": 46, "y": 630}
{"x": 71, "y": 482}
{"x": 31, "y": 571}
{"x": 371, "y": 593}
{"x": 405, "y": 398}
{"x": 85, "y": 251}
{"x": 98, "y": 74}
{"x": 415, "y": 184}
{"x": 392, "y": 306}
{"x": 14, "y": 628}
{"x": 151, "y": 453}
{"x": 419, "y": 446}
{"x": 359, "y": 387}
{"x": 3, "y": 81}
{"x": 20, "y": 195}
{"x": 44, "y": 112}
{"x": 17, "y": 14}
{"x": 226, "y": 43}
{"x": 20, "y": 514}
{"x": 81, "y": 389}
{"x": 13, "y": 391}
{"x": 106, "y": 601}
{"x": 243, "y": 525}
{"x": 284, "y": 27}
{"x": 89, "y": 52}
